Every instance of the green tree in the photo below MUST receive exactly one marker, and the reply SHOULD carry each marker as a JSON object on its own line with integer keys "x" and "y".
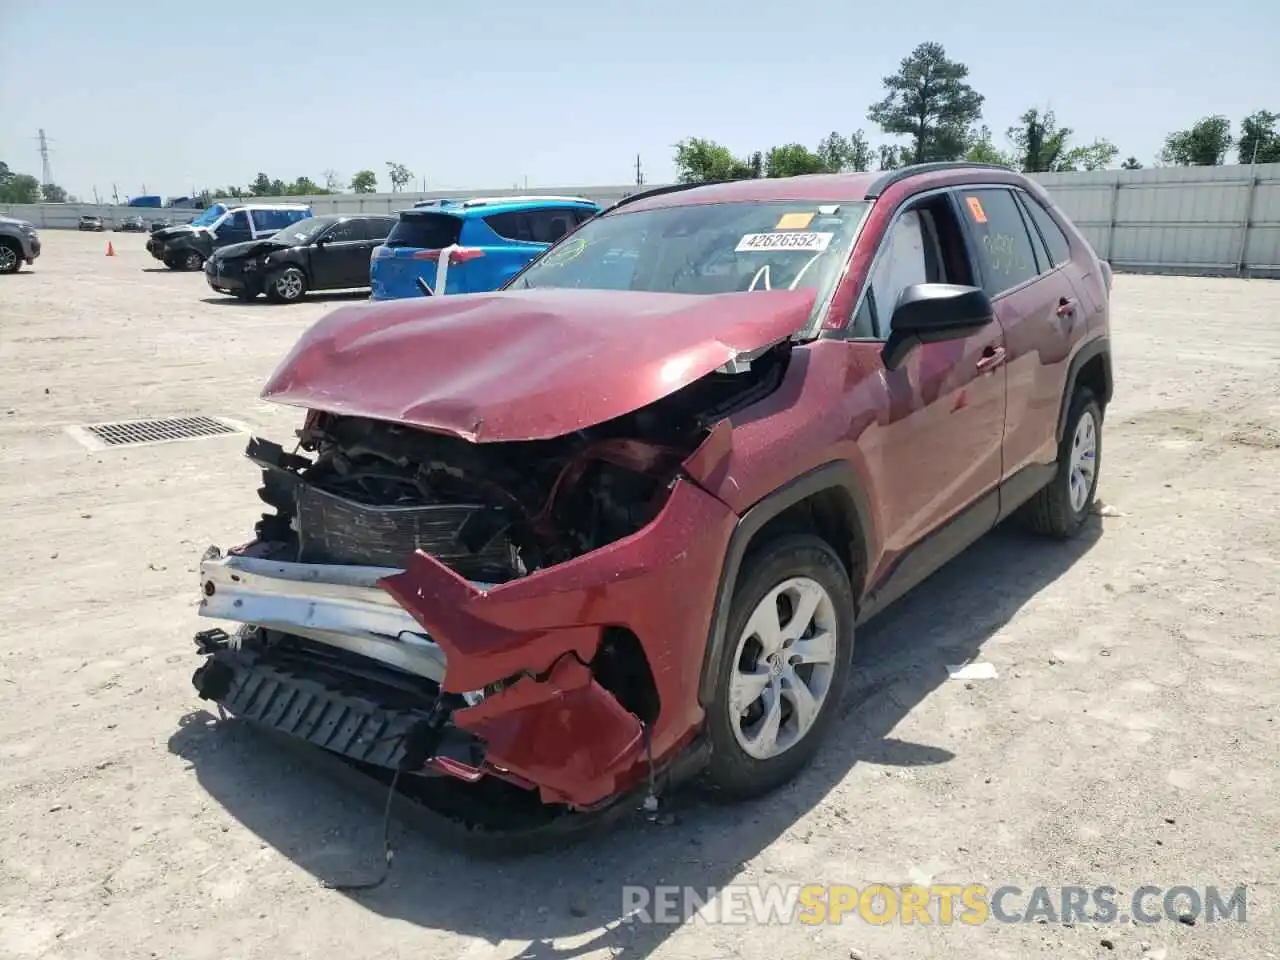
{"x": 699, "y": 160}
{"x": 929, "y": 100}
{"x": 52, "y": 193}
{"x": 982, "y": 149}
{"x": 839, "y": 153}
{"x": 365, "y": 181}
{"x": 1259, "y": 138}
{"x": 1205, "y": 144}
{"x": 1041, "y": 146}
{"x": 305, "y": 187}
{"x": 1131, "y": 163}
{"x": 892, "y": 157}
{"x": 792, "y": 160}
{"x": 399, "y": 175}
{"x": 17, "y": 187}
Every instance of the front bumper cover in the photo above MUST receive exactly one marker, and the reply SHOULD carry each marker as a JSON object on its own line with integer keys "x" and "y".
{"x": 519, "y": 652}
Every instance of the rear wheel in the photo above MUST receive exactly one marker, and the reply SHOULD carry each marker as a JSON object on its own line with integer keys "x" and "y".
{"x": 786, "y": 661}
{"x": 287, "y": 286}
{"x": 1060, "y": 509}
{"x": 10, "y": 256}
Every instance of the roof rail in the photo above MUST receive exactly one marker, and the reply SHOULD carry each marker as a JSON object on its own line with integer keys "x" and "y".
{"x": 522, "y": 198}
{"x": 891, "y": 177}
{"x": 659, "y": 191}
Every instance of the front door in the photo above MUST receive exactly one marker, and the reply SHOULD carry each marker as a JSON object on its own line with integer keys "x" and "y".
{"x": 935, "y": 451}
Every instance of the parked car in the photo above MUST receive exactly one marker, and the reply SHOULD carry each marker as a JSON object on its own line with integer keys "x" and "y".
{"x": 132, "y": 225}
{"x": 542, "y": 549}
{"x": 90, "y": 222}
{"x": 19, "y": 242}
{"x": 186, "y": 247}
{"x": 323, "y": 253}
{"x": 489, "y": 241}
{"x": 161, "y": 224}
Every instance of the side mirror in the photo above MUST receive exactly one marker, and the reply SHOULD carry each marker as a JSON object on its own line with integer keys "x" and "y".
{"x": 932, "y": 312}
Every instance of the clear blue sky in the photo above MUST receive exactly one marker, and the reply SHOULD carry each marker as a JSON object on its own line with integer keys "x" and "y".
{"x": 486, "y": 93}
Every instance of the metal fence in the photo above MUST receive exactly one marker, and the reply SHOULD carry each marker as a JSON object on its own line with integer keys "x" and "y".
{"x": 1200, "y": 220}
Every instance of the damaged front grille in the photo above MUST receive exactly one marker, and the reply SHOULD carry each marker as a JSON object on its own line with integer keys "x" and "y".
{"x": 333, "y": 529}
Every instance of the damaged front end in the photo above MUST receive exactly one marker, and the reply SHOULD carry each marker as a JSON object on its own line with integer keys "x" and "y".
{"x": 516, "y": 626}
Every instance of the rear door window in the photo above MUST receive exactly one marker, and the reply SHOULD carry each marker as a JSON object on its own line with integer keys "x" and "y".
{"x": 1001, "y": 242}
{"x": 425, "y": 231}
{"x": 511, "y": 226}
{"x": 379, "y": 227}
{"x": 548, "y": 226}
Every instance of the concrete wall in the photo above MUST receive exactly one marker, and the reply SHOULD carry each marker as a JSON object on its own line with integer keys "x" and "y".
{"x": 1166, "y": 219}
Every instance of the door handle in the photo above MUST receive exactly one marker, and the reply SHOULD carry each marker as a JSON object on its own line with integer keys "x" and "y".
{"x": 1066, "y": 308}
{"x": 992, "y": 357}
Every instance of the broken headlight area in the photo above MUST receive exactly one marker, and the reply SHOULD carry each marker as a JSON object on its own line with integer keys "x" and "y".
{"x": 371, "y": 493}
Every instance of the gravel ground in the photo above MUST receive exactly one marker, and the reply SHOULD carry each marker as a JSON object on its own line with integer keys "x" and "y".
{"x": 1129, "y": 738}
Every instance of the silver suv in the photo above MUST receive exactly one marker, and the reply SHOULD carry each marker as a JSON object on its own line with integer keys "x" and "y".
{"x": 18, "y": 242}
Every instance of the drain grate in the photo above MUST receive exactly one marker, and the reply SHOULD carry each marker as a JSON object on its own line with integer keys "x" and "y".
{"x": 133, "y": 433}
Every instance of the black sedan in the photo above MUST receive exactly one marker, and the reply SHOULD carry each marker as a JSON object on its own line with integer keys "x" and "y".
{"x": 88, "y": 222}
{"x": 132, "y": 225}
{"x": 321, "y": 253}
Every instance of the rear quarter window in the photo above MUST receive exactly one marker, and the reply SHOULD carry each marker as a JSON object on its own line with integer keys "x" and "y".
{"x": 1054, "y": 237}
{"x": 425, "y": 231}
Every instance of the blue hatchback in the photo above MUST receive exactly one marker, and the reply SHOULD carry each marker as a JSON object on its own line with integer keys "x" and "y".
{"x": 470, "y": 246}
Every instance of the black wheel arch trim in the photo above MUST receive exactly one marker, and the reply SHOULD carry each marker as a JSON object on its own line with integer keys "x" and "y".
{"x": 1099, "y": 346}
{"x": 837, "y": 475}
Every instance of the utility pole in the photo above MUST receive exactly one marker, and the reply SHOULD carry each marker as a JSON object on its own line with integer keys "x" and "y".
{"x": 46, "y": 171}
{"x": 115, "y": 194}
{"x": 639, "y": 173}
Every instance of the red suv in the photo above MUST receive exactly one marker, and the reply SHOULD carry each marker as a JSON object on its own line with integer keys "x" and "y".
{"x": 543, "y": 549}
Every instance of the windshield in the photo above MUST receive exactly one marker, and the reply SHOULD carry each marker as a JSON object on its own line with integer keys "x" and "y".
{"x": 303, "y": 232}
{"x": 210, "y": 216}
{"x": 706, "y": 248}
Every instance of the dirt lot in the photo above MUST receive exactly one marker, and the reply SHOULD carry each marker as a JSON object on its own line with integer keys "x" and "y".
{"x": 1132, "y": 736}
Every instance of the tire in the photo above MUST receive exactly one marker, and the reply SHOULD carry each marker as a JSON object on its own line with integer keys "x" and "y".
{"x": 191, "y": 260}
{"x": 1061, "y": 507}
{"x": 10, "y": 256}
{"x": 173, "y": 263}
{"x": 287, "y": 286}
{"x": 743, "y": 764}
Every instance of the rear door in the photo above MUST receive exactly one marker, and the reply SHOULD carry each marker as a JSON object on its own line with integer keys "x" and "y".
{"x": 1034, "y": 302}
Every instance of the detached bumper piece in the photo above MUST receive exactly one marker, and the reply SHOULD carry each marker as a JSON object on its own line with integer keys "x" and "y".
{"x": 337, "y": 711}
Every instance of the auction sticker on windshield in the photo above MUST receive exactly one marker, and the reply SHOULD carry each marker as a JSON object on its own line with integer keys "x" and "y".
{"x": 792, "y": 240}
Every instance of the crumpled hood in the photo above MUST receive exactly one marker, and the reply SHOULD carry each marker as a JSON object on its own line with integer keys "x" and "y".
{"x": 248, "y": 248}
{"x": 524, "y": 364}
{"x": 168, "y": 233}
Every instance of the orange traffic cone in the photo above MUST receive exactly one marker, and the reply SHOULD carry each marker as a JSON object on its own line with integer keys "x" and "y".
{"x": 111, "y": 251}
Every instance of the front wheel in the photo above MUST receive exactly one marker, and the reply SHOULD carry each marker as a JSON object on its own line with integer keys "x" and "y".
{"x": 1060, "y": 509}
{"x": 192, "y": 260}
{"x": 287, "y": 286}
{"x": 10, "y": 257}
{"x": 785, "y": 664}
